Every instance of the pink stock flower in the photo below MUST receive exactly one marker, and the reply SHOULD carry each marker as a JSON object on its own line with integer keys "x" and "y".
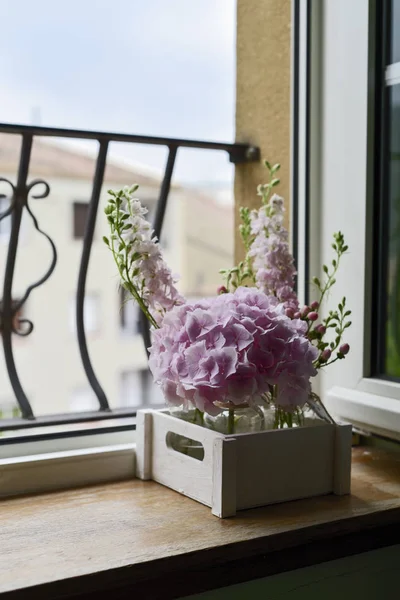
{"x": 149, "y": 273}
{"x": 272, "y": 260}
{"x": 231, "y": 348}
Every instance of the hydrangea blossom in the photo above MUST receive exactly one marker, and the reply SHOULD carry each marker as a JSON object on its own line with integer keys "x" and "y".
{"x": 272, "y": 261}
{"x": 232, "y": 348}
{"x": 143, "y": 265}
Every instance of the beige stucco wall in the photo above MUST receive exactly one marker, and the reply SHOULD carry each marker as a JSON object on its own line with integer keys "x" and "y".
{"x": 263, "y": 94}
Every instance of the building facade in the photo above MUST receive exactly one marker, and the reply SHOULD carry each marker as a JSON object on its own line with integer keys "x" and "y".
{"x": 197, "y": 240}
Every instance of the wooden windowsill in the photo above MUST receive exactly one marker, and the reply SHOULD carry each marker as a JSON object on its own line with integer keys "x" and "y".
{"x": 139, "y": 539}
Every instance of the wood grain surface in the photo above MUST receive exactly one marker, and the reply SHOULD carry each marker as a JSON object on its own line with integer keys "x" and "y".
{"x": 140, "y": 539}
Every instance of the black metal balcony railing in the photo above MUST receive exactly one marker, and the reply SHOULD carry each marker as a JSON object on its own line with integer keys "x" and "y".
{"x": 11, "y": 321}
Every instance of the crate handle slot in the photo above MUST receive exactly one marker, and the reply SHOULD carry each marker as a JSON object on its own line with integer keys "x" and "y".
{"x": 185, "y": 445}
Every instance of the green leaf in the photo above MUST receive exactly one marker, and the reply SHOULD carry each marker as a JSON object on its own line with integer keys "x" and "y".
{"x": 105, "y": 240}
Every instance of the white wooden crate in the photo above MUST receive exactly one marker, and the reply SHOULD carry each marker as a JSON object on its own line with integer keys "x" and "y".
{"x": 245, "y": 470}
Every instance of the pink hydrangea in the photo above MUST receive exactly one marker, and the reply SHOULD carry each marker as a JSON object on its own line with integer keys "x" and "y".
{"x": 232, "y": 348}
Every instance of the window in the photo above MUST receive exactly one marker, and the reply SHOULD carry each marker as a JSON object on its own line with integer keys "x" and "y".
{"x": 129, "y": 313}
{"x": 91, "y": 313}
{"x": 5, "y": 224}
{"x": 50, "y": 362}
{"x": 386, "y": 358}
{"x": 80, "y": 210}
{"x": 138, "y": 389}
{"x": 351, "y": 84}
{"x": 199, "y": 282}
{"x": 131, "y": 388}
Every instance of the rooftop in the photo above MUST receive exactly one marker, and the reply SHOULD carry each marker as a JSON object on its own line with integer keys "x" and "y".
{"x": 52, "y": 159}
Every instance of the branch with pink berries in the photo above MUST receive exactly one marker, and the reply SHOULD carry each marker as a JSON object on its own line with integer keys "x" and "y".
{"x": 337, "y": 320}
{"x": 269, "y": 266}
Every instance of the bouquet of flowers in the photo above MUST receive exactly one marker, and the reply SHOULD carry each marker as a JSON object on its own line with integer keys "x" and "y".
{"x": 251, "y": 344}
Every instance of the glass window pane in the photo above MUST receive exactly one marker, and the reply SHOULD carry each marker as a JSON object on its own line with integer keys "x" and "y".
{"x": 392, "y": 366}
{"x": 131, "y": 389}
{"x": 194, "y": 60}
{"x": 395, "y": 32}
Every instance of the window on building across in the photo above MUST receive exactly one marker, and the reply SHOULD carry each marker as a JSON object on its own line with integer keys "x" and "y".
{"x": 80, "y": 214}
{"x": 91, "y": 313}
{"x": 128, "y": 313}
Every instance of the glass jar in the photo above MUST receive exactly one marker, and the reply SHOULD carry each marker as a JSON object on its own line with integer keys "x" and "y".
{"x": 240, "y": 418}
{"x": 269, "y": 415}
{"x": 191, "y": 415}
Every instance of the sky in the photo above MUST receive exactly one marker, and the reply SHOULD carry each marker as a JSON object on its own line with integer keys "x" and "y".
{"x": 153, "y": 67}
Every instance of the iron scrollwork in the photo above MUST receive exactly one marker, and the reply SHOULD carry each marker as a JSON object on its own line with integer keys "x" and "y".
{"x": 22, "y": 326}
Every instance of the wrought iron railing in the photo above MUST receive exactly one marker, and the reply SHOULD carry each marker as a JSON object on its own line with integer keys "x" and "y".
{"x": 11, "y": 322}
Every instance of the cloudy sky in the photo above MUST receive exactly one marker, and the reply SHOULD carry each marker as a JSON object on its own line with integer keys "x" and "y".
{"x": 155, "y": 67}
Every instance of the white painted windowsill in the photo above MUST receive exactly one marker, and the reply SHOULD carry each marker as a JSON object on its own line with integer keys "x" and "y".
{"x": 368, "y": 411}
{"x": 65, "y": 469}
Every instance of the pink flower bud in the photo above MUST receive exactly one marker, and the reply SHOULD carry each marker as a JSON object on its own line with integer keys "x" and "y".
{"x": 320, "y": 329}
{"x": 222, "y": 290}
{"x": 313, "y": 316}
{"x": 304, "y": 311}
{"x": 344, "y": 349}
{"x": 325, "y": 355}
{"x": 315, "y": 305}
{"x": 290, "y": 313}
{"x": 296, "y": 315}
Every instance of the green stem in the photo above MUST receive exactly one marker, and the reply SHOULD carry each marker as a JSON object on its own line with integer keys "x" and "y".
{"x": 198, "y": 414}
{"x": 231, "y": 420}
{"x": 276, "y": 422}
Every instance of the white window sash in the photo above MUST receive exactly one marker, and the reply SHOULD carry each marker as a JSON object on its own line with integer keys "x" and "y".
{"x": 340, "y": 161}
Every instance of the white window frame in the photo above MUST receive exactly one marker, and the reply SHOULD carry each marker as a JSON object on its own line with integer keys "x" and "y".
{"x": 335, "y": 130}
